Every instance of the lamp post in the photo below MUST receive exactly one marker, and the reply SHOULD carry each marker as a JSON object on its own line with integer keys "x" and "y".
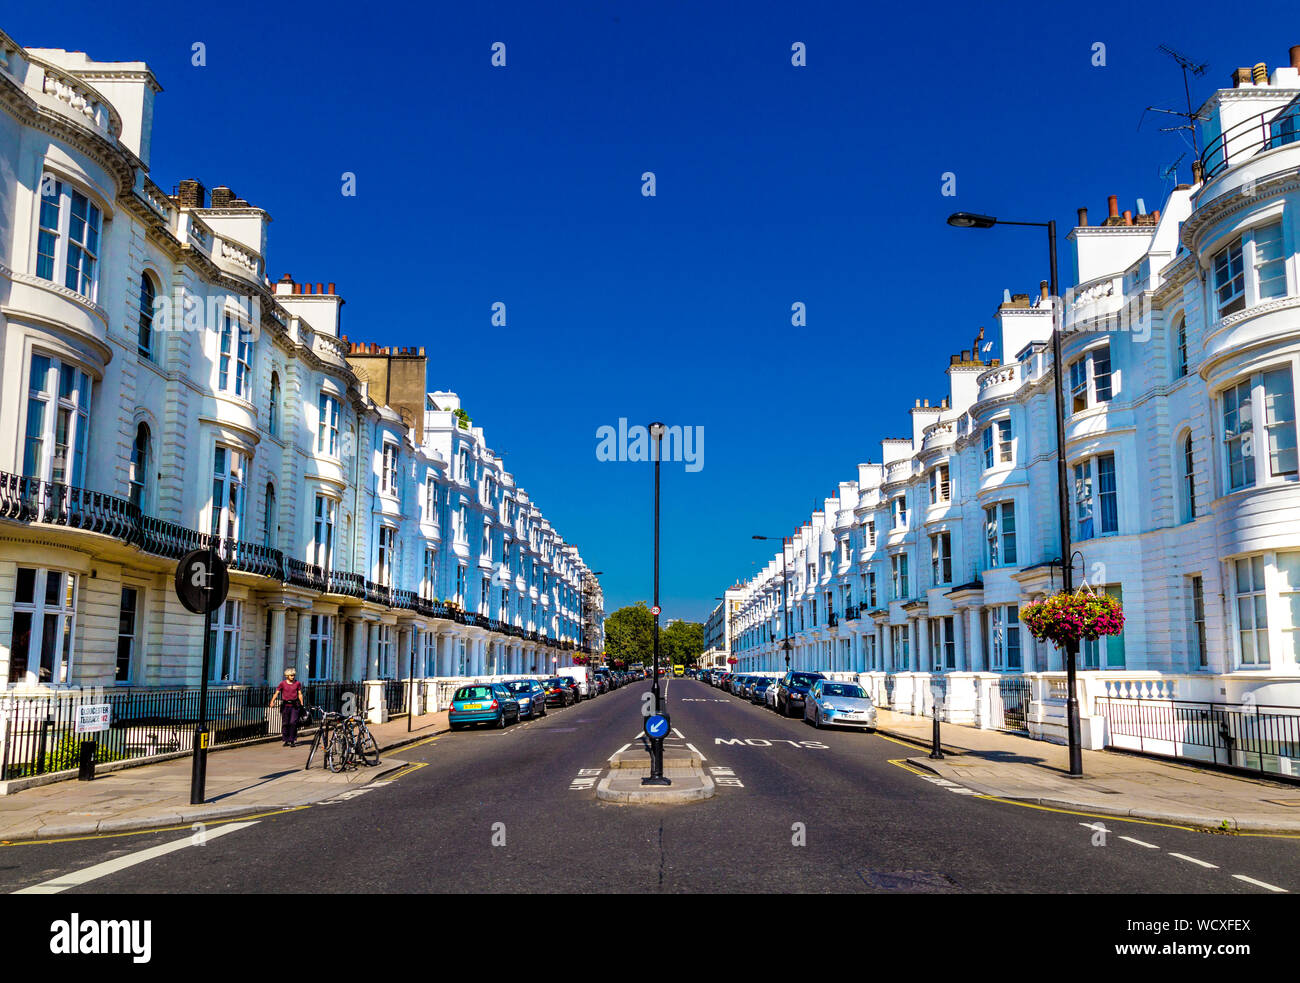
{"x": 656, "y": 435}
{"x": 971, "y": 220}
{"x": 785, "y": 599}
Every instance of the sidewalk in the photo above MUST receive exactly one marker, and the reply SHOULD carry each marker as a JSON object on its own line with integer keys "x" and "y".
{"x": 1011, "y": 766}
{"x": 241, "y": 781}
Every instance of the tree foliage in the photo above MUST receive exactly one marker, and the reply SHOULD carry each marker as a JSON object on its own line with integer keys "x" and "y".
{"x": 630, "y": 633}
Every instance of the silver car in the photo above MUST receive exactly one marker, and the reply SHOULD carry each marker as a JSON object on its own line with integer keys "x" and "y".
{"x": 833, "y": 703}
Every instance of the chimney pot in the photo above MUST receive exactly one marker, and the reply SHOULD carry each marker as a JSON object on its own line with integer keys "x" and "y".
{"x": 1295, "y": 56}
{"x": 1043, "y": 286}
{"x": 320, "y": 288}
{"x": 1112, "y": 204}
{"x": 1128, "y": 217}
{"x": 331, "y": 288}
{"x": 1259, "y": 74}
{"x": 1083, "y": 218}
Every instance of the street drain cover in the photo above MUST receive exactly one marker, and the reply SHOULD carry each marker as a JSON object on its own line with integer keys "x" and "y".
{"x": 910, "y": 881}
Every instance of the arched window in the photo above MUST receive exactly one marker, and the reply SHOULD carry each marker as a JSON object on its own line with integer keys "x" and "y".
{"x": 139, "y": 476}
{"x": 273, "y": 413}
{"x": 270, "y": 518}
{"x": 148, "y": 295}
{"x": 1189, "y": 480}
{"x": 1180, "y": 348}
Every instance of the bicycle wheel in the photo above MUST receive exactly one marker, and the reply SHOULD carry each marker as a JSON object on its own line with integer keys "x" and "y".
{"x": 336, "y": 756}
{"x": 367, "y": 747}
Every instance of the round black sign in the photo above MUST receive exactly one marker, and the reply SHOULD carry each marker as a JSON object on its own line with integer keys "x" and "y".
{"x": 202, "y": 582}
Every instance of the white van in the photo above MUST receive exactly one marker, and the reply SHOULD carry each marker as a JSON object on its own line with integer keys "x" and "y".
{"x": 582, "y": 676}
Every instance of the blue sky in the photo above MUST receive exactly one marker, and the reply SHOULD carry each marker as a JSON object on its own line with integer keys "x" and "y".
{"x": 775, "y": 184}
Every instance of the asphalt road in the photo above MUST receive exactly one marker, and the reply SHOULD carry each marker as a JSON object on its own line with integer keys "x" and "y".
{"x": 797, "y": 809}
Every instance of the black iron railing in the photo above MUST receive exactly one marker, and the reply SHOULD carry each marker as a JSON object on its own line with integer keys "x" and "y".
{"x": 26, "y": 499}
{"x": 1015, "y": 694}
{"x": 1264, "y": 131}
{"x": 1260, "y": 738}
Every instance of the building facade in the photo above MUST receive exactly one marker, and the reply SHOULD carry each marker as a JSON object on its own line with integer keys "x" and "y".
{"x": 1181, "y": 354}
{"x": 161, "y": 390}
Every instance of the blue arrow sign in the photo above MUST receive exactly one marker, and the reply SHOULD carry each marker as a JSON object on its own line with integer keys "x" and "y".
{"x": 656, "y": 725}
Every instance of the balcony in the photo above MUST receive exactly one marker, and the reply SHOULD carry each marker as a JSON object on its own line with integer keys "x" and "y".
{"x": 32, "y": 501}
{"x": 1269, "y": 130}
{"x": 999, "y": 382}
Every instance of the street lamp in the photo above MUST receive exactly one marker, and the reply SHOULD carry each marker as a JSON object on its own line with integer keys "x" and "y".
{"x": 785, "y": 599}
{"x": 656, "y": 435}
{"x": 972, "y": 220}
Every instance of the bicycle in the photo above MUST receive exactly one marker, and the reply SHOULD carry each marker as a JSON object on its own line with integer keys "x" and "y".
{"x": 326, "y": 737}
{"x": 360, "y": 743}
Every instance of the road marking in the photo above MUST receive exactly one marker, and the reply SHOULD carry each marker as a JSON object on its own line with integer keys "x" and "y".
{"x": 1149, "y": 846}
{"x": 422, "y": 743}
{"x": 1193, "y": 860}
{"x": 697, "y": 751}
{"x": 76, "y": 878}
{"x": 414, "y": 766}
{"x": 963, "y": 791}
{"x": 1271, "y": 887}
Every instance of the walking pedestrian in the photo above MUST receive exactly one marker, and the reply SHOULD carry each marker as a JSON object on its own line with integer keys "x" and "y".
{"x": 289, "y": 697}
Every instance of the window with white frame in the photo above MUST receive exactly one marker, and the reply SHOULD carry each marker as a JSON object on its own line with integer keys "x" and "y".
{"x": 144, "y": 322}
{"x": 460, "y": 585}
{"x": 1252, "y": 611}
{"x": 58, "y": 421}
{"x": 429, "y": 640}
{"x": 42, "y": 627}
{"x": 1004, "y": 637}
{"x": 270, "y": 518}
{"x": 846, "y": 551}
{"x": 997, "y": 443}
{"x": 869, "y": 588}
{"x": 1196, "y": 619}
{"x": 902, "y": 647}
{"x": 947, "y": 628}
{"x": 384, "y": 650}
{"x": 273, "y": 406}
{"x": 1090, "y": 379}
{"x": 430, "y": 499}
{"x": 1180, "y": 347}
{"x": 1000, "y": 533}
{"x": 1270, "y": 261}
{"x": 327, "y": 426}
{"x": 323, "y": 532}
{"x": 1096, "y": 497}
{"x": 898, "y": 571}
{"x": 128, "y": 629}
{"x": 320, "y": 646}
{"x": 138, "y": 476}
{"x": 228, "y": 470}
{"x": 1261, "y": 251}
{"x": 1265, "y": 403}
{"x": 233, "y": 371}
{"x": 940, "y": 488}
{"x": 485, "y": 596}
{"x": 1106, "y": 652}
{"x": 1229, "y": 279}
{"x": 941, "y": 558}
{"x": 385, "y": 559}
{"x": 67, "y": 246}
{"x": 1189, "y": 480}
{"x": 898, "y": 506}
{"x": 430, "y": 573}
{"x": 388, "y": 483}
{"x": 227, "y": 622}
{"x": 1288, "y": 590}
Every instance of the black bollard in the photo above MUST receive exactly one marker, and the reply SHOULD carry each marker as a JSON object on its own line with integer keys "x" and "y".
{"x": 936, "y": 751}
{"x": 87, "y": 769}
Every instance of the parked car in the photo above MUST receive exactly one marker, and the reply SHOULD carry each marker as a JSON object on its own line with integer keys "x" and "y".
{"x": 571, "y": 685}
{"x": 758, "y": 692}
{"x": 583, "y": 678}
{"x": 559, "y": 693}
{"x": 530, "y": 695}
{"x": 792, "y": 691}
{"x": 482, "y": 703}
{"x": 830, "y": 703}
{"x": 769, "y": 697}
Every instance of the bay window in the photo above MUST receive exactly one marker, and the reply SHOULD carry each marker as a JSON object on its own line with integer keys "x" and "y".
{"x": 1090, "y": 379}
{"x": 228, "y": 469}
{"x": 1096, "y": 497}
{"x": 1004, "y": 637}
{"x": 939, "y": 485}
{"x": 327, "y": 426}
{"x": 42, "y": 627}
{"x": 997, "y": 443}
{"x": 68, "y": 238}
{"x": 1000, "y": 533}
{"x": 1263, "y": 252}
{"x": 58, "y": 420}
{"x": 1264, "y": 402}
{"x": 899, "y": 507}
{"x": 234, "y": 374}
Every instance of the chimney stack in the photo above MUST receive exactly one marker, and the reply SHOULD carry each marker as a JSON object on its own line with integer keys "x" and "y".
{"x": 1240, "y": 77}
{"x": 1295, "y": 57}
{"x": 191, "y": 194}
{"x": 1083, "y": 218}
{"x": 1112, "y": 205}
{"x": 222, "y": 197}
{"x": 1043, "y": 287}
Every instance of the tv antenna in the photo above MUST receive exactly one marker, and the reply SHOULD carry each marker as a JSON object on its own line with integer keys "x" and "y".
{"x": 1196, "y": 68}
{"x": 1169, "y": 175}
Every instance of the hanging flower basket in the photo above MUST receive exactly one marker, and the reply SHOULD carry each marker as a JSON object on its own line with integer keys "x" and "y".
{"x": 1064, "y": 619}
{"x": 732, "y": 661}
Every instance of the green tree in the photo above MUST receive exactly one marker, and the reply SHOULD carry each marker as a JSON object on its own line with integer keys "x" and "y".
{"x": 681, "y": 643}
{"x": 629, "y": 634}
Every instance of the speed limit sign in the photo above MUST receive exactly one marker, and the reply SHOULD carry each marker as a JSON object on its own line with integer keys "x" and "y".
{"x": 202, "y": 582}
{"x": 655, "y": 610}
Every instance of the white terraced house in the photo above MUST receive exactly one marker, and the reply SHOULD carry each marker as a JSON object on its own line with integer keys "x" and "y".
{"x": 159, "y": 389}
{"x": 1181, "y": 351}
